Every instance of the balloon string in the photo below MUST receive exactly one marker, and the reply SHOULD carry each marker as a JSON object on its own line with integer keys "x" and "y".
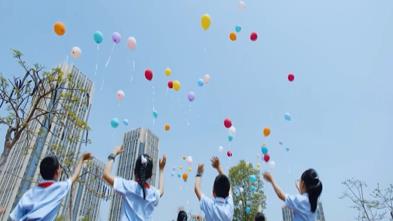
{"x": 102, "y": 84}
{"x": 98, "y": 49}
{"x": 110, "y": 56}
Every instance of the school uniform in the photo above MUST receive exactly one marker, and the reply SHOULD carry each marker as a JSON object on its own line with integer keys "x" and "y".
{"x": 300, "y": 206}
{"x": 134, "y": 207}
{"x": 42, "y": 202}
{"x": 218, "y": 208}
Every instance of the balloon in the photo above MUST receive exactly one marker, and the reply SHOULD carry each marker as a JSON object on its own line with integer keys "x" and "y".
{"x": 230, "y": 138}
{"x": 76, "y": 52}
{"x": 191, "y": 96}
{"x": 189, "y": 159}
{"x": 241, "y": 189}
{"x": 148, "y": 74}
{"x": 200, "y": 82}
{"x": 131, "y": 42}
{"x": 291, "y": 77}
{"x": 206, "y": 78}
{"x": 232, "y": 130}
{"x": 167, "y": 127}
{"x": 220, "y": 148}
{"x": 98, "y": 37}
{"x": 266, "y": 132}
{"x": 238, "y": 28}
{"x": 240, "y": 202}
{"x": 120, "y": 95}
{"x": 172, "y": 174}
{"x": 170, "y": 84}
{"x": 258, "y": 165}
{"x": 184, "y": 177}
{"x": 155, "y": 114}
{"x": 232, "y": 36}
{"x": 115, "y": 122}
{"x": 281, "y": 143}
{"x": 176, "y": 85}
{"x": 253, "y": 188}
{"x": 227, "y": 123}
{"x": 252, "y": 178}
{"x": 242, "y": 4}
{"x": 272, "y": 164}
{"x": 248, "y": 210}
{"x": 168, "y": 71}
{"x": 264, "y": 150}
{"x": 205, "y": 21}
{"x": 287, "y": 117}
{"x": 125, "y": 122}
{"x": 59, "y": 28}
{"x": 266, "y": 158}
{"x": 253, "y": 36}
{"x": 189, "y": 169}
{"x": 287, "y": 149}
{"x": 116, "y": 37}
{"x": 229, "y": 153}
{"x": 179, "y": 175}
{"x": 180, "y": 167}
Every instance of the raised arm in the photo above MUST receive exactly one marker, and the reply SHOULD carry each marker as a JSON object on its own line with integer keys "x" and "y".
{"x": 217, "y": 165}
{"x": 161, "y": 175}
{"x": 77, "y": 171}
{"x": 198, "y": 188}
{"x": 108, "y": 167}
{"x": 269, "y": 178}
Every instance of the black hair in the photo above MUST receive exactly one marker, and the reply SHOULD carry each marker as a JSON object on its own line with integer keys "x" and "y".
{"x": 48, "y": 167}
{"x": 313, "y": 187}
{"x": 143, "y": 171}
{"x": 182, "y": 216}
{"x": 259, "y": 217}
{"x": 221, "y": 186}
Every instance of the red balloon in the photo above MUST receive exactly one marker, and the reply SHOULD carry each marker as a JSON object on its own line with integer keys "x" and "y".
{"x": 253, "y": 36}
{"x": 148, "y": 74}
{"x": 291, "y": 77}
{"x": 170, "y": 84}
{"x": 227, "y": 123}
{"x": 266, "y": 158}
{"x": 229, "y": 153}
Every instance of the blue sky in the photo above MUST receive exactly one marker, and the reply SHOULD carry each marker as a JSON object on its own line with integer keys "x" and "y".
{"x": 341, "y": 100}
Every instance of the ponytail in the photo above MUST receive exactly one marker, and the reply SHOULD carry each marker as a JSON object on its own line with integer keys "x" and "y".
{"x": 182, "y": 216}
{"x": 143, "y": 171}
{"x": 313, "y": 187}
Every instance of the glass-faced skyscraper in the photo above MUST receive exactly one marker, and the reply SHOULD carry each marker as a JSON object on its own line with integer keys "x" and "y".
{"x": 136, "y": 142}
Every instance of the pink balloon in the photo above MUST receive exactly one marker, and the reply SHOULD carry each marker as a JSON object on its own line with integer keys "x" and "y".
{"x": 120, "y": 95}
{"x": 131, "y": 43}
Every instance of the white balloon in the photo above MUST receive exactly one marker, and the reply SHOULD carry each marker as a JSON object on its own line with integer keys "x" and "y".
{"x": 242, "y": 4}
{"x": 232, "y": 130}
{"x": 189, "y": 159}
{"x": 221, "y": 148}
{"x": 240, "y": 202}
{"x": 206, "y": 78}
{"x": 76, "y": 52}
{"x": 241, "y": 189}
{"x": 272, "y": 164}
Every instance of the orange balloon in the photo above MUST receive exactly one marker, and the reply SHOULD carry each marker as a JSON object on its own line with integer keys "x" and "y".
{"x": 59, "y": 28}
{"x": 167, "y": 127}
{"x": 184, "y": 177}
{"x": 232, "y": 36}
{"x": 266, "y": 132}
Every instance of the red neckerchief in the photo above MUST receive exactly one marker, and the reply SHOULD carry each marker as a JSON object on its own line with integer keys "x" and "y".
{"x": 45, "y": 184}
{"x": 146, "y": 186}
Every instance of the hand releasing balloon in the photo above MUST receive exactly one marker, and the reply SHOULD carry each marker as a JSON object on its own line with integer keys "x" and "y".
{"x": 98, "y": 37}
{"x": 116, "y": 37}
{"x": 120, "y": 95}
{"x": 76, "y": 52}
{"x": 205, "y": 21}
{"x": 148, "y": 74}
{"x": 59, "y": 28}
{"x": 131, "y": 43}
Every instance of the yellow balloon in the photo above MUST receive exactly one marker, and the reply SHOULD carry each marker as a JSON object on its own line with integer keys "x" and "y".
{"x": 168, "y": 72}
{"x": 176, "y": 85}
{"x": 167, "y": 127}
{"x": 205, "y": 21}
{"x": 266, "y": 132}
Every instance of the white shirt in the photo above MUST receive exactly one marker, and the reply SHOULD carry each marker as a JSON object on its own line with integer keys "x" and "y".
{"x": 134, "y": 207}
{"x": 217, "y": 209}
{"x": 41, "y": 203}
{"x": 300, "y": 206}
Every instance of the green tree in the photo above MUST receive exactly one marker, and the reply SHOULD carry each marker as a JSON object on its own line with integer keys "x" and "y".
{"x": 247, "y": 193}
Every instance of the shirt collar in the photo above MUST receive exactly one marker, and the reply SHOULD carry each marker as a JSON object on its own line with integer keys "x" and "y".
{"x": 220, "y": 200}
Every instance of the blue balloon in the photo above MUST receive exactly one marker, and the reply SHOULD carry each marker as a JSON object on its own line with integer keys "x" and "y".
{"x": 200, "y": 82}
{"x": 248, "y": 210}
{"x": 155, "y": 114}
{"x": 230, "y": 138}
{"x": 98, "y": 37}
{"x": 264, "y": 150}
{"x": 238, "y": 28}
{"x": 252, "y": 178}
{"x": 125, "y": 122}
{"x": 253, "y": 188}
{"x": 287, "y": 117}
{"x": 115, "y": 122}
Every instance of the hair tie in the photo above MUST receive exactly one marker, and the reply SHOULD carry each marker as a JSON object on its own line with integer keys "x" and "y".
{"x": 143, "y": 160}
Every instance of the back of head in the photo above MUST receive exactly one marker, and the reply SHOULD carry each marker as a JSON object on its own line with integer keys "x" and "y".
{"x": 259, "y": 217}
{"x": 143, "y": 171}
{"x": 313, "y": 187}
{"x": 182, "y": 216}
{"x": 48, "y": 167}
{"x": 221, "y": 186}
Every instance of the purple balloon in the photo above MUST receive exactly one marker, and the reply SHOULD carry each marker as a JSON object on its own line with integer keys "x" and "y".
{"x": 116, "y": 37}
{"x": 191, "y": 96}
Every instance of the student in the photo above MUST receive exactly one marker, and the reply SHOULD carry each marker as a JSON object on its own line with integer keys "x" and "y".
{"x": 42, "y": 202}
{"x": 220, "y": 208}
{"x": 304, "y": 204}
{"x": 139, "y": 198}
{"x": 182, "y": 216}
{"x": 259, "y": 217}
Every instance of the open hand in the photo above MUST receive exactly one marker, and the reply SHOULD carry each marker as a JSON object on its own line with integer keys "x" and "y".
{"x": 86, "y": 156}
{"x": 215, "y": 162}
{"x": 268, "y": 177}
{"x": 201, "y": 169}
{"x": 162, "y": 162}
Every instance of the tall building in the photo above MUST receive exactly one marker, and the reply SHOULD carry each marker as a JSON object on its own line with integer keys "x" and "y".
{"x": 136, "y": 142}
{"x": 287, "y": 213}
{"x": 21, "y": 171}
{"x": 90, "y": 192}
